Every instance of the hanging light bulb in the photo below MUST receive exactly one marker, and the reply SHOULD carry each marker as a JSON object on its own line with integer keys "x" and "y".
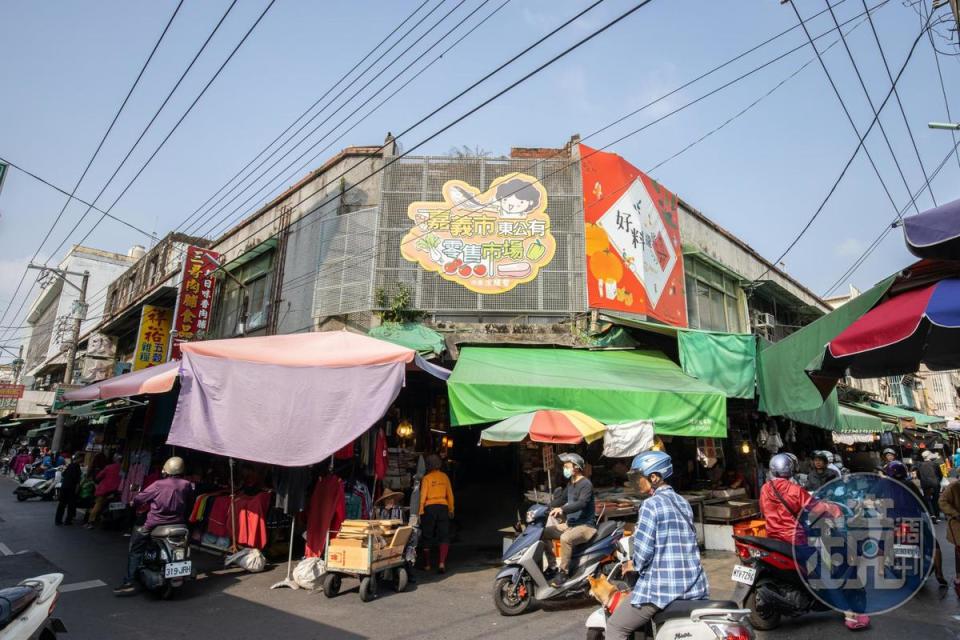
{"x": 745, "y": 447}
{"x": 405, "y": 429}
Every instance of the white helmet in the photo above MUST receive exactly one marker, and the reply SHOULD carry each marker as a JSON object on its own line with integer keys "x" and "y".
{"x": 173, "y": 466}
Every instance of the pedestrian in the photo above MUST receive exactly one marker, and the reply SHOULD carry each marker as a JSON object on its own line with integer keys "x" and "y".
{"x": 950, "y": 505}
{"x": 898, "y": 471}
{"x": 930, "y": 477}
{"x": 956, "y": 458}
{"x": 108, "y": 483}
{"x": 69, "y": 482}
{"x": 436, "y": 511}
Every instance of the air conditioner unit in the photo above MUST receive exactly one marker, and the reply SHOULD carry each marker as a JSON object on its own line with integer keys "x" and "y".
{"x": 763, "y": 321}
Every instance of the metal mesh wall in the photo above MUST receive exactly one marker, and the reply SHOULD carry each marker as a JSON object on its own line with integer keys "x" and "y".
{"x": 347, "y": 247}
{"x": 559, "y": 288}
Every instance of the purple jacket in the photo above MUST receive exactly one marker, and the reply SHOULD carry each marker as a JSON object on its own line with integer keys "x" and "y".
{"x": 168, "y": 499}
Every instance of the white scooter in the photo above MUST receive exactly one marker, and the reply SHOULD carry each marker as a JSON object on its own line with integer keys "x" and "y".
{"x": 38, "y": 487}
{"x": 26, "y": 609}
{"x": 687, "y": 619}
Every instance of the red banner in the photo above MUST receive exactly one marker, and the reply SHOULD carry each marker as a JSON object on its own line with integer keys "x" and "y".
{"x": 634, "y": 256}
{"x": 194, "y": 311}
{"x": 11, "y": 391}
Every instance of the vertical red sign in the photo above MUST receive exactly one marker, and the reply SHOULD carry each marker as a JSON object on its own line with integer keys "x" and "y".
{"x": 634, "y": 254}
{"x": 195, "y": 301}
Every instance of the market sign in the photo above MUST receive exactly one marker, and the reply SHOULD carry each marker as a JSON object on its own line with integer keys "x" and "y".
{"x": 11, "y": 391}
{"x": 634, "y": 257}
{"x": 153, "y": 337}
{"x": 488, "y": 242}
{"x": 195, "y": 299}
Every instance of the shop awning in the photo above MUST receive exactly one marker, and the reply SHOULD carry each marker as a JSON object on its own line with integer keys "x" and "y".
{"x": 41, "y": 430}
{"x": 157, "y": 379}
{"x": 784, "y": 384}
{"x": 412, "y": 335}
{"x": 290, "y": 400}
{"x": 854, "y": 421}
{"x": 895, "y": 413}
{"x": 492, "y": 383}
{"x": 727, "y": 361}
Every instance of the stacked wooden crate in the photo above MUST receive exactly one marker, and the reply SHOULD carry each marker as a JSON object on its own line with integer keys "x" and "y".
{"x": 365, "y": 544}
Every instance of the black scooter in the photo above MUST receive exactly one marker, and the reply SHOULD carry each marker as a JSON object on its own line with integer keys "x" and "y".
{"x": 166, "y": 563}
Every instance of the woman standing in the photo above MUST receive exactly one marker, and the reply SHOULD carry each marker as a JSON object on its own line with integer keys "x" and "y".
{"x": 950, "y": 506}
{"x": 436, "y": 510}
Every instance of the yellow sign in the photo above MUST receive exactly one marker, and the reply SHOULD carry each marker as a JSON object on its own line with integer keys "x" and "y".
{"x": 154, "y": 337}
{"x": 488, "y": 242}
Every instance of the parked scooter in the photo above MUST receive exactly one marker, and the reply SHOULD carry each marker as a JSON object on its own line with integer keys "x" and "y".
{"x": 688, "y": 619}
{"x": 26, "y": 610}
{"x": 522, "y": 581}
{"x": 166, "y": 563}
{"x": 768, "y": 582}
{"x": 38, "y": 487}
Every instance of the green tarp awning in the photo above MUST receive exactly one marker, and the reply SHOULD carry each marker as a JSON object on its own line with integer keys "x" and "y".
{"x": 726, "y": 361}
{"x": 412, "y": 335}
{"x": 492, "y": 383}
{"x": 783, "y": 381}
{"x": 840, "y": 418}
{"x": 921, "y": 419}
{"x": 41, "y": 429}
{"x": 854, "y": 421}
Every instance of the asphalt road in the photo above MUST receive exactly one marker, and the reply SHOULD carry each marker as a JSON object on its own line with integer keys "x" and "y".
{"x": 232, "y": 604}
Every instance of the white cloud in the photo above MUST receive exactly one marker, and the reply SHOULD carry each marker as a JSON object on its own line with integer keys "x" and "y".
{"x": 850, "y": 248}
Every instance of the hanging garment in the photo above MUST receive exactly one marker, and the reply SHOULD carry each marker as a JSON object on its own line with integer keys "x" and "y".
{"x": 325, "y": 513}
{"x": 345, "y": 453}
{"x": 218, "y": 522}
{"x": 292, "y": 485}
{"x": 252, "y": 519}
{"x": 380, "y": 459}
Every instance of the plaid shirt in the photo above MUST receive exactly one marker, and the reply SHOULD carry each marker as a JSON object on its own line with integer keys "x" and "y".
{"x": 665, "y": 552}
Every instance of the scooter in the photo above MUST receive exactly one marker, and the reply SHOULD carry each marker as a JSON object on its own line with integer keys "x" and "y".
{"x": 522, "y": 581}
{"x": 166, "y": 563}
{"x": 26, "y": 610}
{"x": 38, "y": 487}
{"x": 768, "y": 582}
{"x": 687, "y": 619}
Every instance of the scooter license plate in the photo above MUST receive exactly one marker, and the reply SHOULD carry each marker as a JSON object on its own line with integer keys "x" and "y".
{"x": 744, "y": 575}
{"x": 178, "y": 569}
{"x": 116, "y": 506}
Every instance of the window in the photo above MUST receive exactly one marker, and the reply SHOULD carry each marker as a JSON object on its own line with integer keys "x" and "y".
{"x": 711, "y": 297}
{"x": 257, "y": 278}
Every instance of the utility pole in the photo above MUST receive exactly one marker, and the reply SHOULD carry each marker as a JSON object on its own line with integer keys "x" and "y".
{"x": 78, "y": 315}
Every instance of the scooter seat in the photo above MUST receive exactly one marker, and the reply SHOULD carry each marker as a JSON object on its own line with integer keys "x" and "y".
{"x": 169, "y": 531}
{"x": 13, "y": 601}
{"x": 683, "y": 608}
{"x": 605, "y": 529}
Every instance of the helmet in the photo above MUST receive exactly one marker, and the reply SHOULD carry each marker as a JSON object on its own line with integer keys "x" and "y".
{"x": 890, "y": 451}
{"x": 823, "y": 455}
{"x": 572, "y": 458}
{"x": 895, "y": 469}
{"x": 782, "y": 466}
{"x": 653, "y": 462}
{"x": 173, "y": 466}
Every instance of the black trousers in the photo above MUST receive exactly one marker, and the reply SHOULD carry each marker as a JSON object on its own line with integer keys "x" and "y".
{"x": 932, "y": 495}
{"x": 139, "y": 541}
{"x": 435, "y": 526}
{"x": 68, "y": 505}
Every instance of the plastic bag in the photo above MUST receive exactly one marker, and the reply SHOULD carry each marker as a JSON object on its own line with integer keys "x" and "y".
{"x": 251, "y": 560}
{"x": 308, "y": 573}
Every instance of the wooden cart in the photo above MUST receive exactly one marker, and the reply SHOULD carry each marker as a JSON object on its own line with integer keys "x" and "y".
{"x": 370, "y": 551}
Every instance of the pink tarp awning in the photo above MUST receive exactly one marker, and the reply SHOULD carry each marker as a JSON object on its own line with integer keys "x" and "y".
{"x": 157, "y": 379}
{"x": 290, "y": 400}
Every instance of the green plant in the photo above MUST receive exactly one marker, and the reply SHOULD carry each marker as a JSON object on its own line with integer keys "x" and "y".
{"x": 396, "y": 308}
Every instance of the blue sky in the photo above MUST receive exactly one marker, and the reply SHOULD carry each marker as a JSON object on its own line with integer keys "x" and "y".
{"x": 67, "y": 66}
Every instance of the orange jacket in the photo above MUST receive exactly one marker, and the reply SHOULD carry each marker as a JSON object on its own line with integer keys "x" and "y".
{"x": 435, "y": 489}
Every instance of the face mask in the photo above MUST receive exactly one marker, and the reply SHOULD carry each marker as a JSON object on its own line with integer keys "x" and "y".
{"x": 567, "y": 473}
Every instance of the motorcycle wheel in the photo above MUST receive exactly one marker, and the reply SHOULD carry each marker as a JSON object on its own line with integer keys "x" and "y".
{"x": 166, "y": 591}
{"x": 21, "y": 497}
{"x": 595, "y": 634}
{"x": 761, "y": 622}
{"x": 509, "y": 603}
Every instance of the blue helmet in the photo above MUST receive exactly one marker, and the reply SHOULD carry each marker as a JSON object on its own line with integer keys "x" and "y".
{"x": 895, "y": 469}
{"x": 653, "y": 462}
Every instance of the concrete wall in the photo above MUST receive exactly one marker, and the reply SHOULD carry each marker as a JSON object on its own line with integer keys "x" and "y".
{"x": 34, "y": 403}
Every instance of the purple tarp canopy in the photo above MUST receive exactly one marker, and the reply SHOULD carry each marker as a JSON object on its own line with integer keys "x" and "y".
{"x": 935, "y": 233}
{"x": 289, "y": 400}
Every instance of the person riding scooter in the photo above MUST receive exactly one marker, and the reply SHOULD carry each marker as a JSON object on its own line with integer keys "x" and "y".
{"x": 577, "y": 505}
{"x": 821, "y": 474}
{"x": 167, "y": 500}
{"x": 781, "y": 502}
{"x": 665, "y": 552}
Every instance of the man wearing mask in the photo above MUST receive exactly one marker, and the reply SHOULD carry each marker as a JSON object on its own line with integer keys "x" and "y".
{"x": 665, "y": 551}
{"x": 821, "y": 474}
{"x": 167, "y": 500}
{"x": 576, "y": 505}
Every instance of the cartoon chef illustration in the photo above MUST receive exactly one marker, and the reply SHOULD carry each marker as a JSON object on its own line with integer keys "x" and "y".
{"x": 514, "y": 199}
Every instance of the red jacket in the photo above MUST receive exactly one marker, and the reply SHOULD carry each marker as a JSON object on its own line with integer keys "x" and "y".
{"x": 782, "y": 518}
{"x": 108, "y": 480}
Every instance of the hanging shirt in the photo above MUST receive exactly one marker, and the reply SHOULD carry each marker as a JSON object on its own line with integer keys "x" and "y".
{"x": 292, "y": 484}
{"x": 380, "y": 459}
{"x": 325, "y": 513}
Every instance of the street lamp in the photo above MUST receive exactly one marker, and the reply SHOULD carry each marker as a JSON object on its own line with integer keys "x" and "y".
{"x": 951, "y": 126}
